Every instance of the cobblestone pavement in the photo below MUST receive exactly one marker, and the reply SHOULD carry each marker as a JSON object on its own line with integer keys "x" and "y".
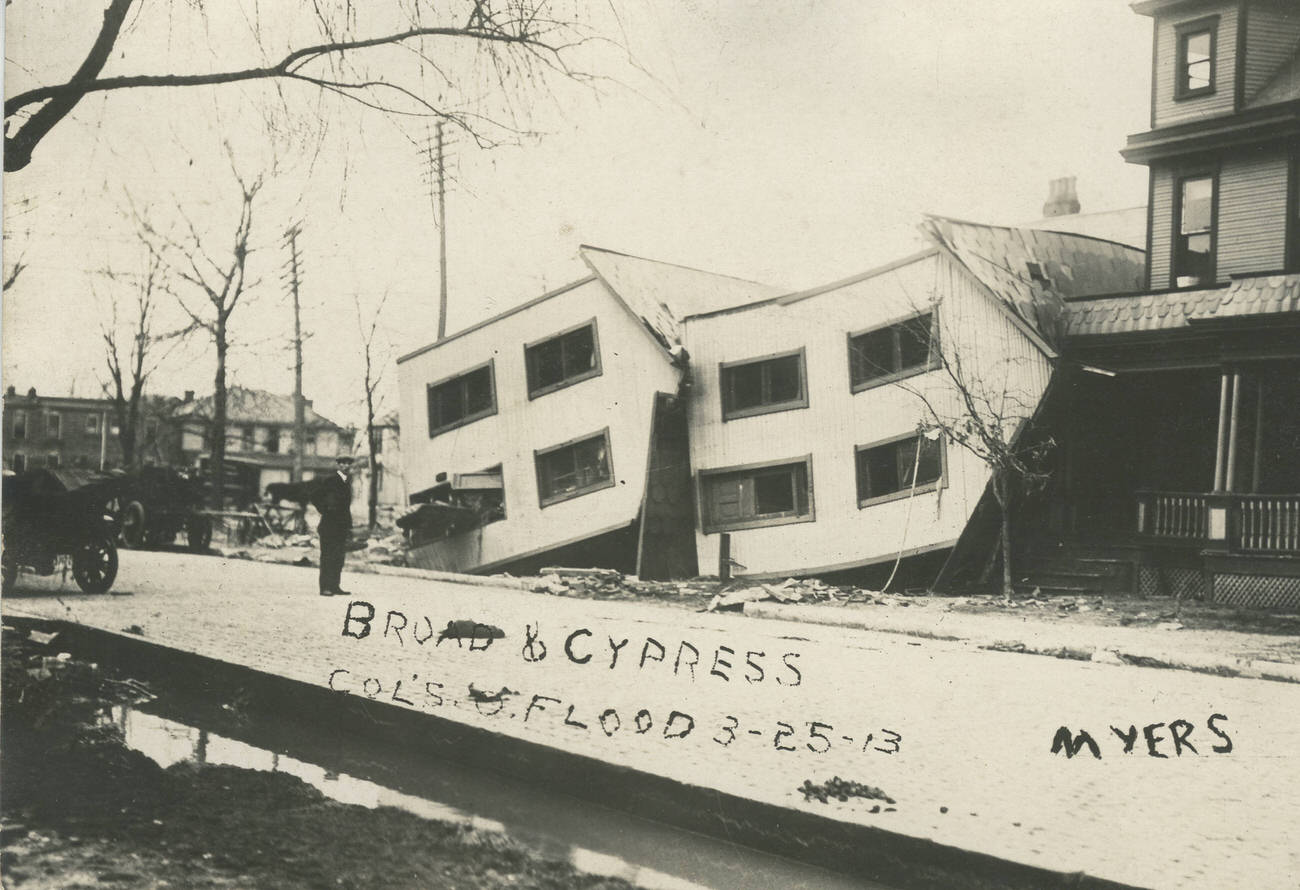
{"x": 960, "y": 739}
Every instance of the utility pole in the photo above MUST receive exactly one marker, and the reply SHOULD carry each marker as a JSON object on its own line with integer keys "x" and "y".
{"x": 436, "y": 149}
{"x": 299, "y": 412}
{"x": 442, "y": 239}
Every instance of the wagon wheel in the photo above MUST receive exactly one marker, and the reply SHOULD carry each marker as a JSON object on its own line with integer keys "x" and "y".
{"x": 133, "y": 528}
{"x": 198, "y": 531}
{"x": 94, "y": 565}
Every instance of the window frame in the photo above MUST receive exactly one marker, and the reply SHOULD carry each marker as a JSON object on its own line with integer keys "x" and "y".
{"x": 1183, "y": 32}
{"x": 545, "y": 500}
{"x": 594, "y": 371}
{"x": 53, "y": 425}
{"x": 932, "y": 362}
{"x": 724, "y": 389}
{"x": 709, "y": 525}
{"x": 1181, "y": 177}
{"x": 54, "y": 460}
{"x": 467, "y": 419}
{"x": 19, "y": 431}
{"x": 941, "y": 482}
{"x": 92, "y": 424}
{"x": 18, "y": 462}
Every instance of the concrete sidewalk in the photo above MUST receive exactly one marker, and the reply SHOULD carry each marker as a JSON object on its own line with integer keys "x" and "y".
{"x": 1222, "y": 652}
{"x": 959, "y": 737}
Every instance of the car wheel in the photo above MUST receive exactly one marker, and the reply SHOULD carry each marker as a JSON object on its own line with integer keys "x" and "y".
{"x": 133, "y": 528}
{"x": 94, "y": 565}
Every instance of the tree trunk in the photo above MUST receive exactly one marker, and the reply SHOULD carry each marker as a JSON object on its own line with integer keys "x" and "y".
{"x": 372, "y": 500}
{"x": 1004, "y": 502}
{"x": 219, "y": 421}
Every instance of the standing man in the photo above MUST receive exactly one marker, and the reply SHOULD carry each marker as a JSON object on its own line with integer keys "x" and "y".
{"x": 332, "y": 496}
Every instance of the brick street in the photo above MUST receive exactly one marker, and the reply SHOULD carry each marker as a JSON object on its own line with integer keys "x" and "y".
{"x": 960, "y": 739}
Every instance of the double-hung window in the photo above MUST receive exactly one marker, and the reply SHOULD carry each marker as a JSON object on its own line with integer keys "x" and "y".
{"x": 562, "y": 359}
{"x": 92, "y": 424}
{"x": 894, "y": 468}
{"x": 20, "y": 423}
{"x": 1194, "y": 231}
{"x": 773, "y": 493}
{"x": 762, "y": 385}
{"x": 1194, "y": 69}
{"x": 885, "y": 354}
{"x": 574, "y": 468}
{"x": 54, "y": 425}
{"x": 464, "y": 398}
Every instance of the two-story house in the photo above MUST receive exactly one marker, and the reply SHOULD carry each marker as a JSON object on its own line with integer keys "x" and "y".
{"x": 1180, "y": 420}
{"x": 259, "y": 437}
{"x": 820, "y": 420}
{"x": 554, "y": 433}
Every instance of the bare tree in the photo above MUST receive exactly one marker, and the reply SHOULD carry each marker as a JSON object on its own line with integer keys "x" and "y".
{"x": 375, "y": 363}
{"x": 979, "y": 408}
{"x": 213, "y": 286}
{"x": 351, "y": 55}
{"x": 130, "y": 364}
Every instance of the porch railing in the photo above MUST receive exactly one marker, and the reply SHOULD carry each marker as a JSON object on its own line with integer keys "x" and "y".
{"x": 1247, "y": 523}
{"x": 1268, "y": 523}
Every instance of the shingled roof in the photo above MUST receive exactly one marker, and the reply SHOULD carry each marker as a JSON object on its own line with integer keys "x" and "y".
{"x": 1171, "y": 310}
{"x": 257, "y": 406}
{"x": 1033, "y": 271}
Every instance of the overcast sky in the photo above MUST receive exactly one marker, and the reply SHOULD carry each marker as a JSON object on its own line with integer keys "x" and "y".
{"x": 794, "y": 143}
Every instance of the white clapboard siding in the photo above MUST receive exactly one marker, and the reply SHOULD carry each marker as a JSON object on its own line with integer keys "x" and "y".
{"x": 1160, "y": 260}
{"x": 836, "y": 419}
{"x": 621, "y": 399}
{"x": 1252, "y": 213}
{"x": 1171, "y": 111}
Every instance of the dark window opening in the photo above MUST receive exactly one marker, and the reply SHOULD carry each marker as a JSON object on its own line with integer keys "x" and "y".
{"x": 574, "y": 469}
{"x": 52, "y": 461}
{"x": 20, "y": 424}
{"x": 749, "y": 498}
{"x": 1195, "y": 63}
{"x": 461, "y": 400}
{"x": 562, "y": 360}
{"x": 18, "y": 462}
{"x": 54, "y": 425}
{"x": 92, "y": 424}
{"x": 757, "y": 387}
{"x": 889, "y": 469}
{"x": 377, "y": 440}
{"x": 1194, "y": 244}
{"x": 890, "y": 353}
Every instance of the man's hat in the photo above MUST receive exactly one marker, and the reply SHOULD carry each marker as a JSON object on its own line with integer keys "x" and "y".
{"x": 343, "y": 459}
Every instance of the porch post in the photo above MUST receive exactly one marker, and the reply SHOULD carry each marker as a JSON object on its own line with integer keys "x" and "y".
{"x": 1259, "y": 434}
{"x": 1231, "y": 473}
{"x": 1223, "y": 429}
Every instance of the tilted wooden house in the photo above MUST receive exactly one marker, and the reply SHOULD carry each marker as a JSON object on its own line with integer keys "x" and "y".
{"x": 554, "y": 432}
{"x": 817, "y": 418}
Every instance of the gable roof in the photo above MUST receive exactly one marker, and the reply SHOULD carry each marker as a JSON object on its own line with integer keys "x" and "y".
{"x": 1265, "y": 295}
{"x": 662, "y": 294}
{"x": 1032, "y": 272}
{"x": 256, "y": 406}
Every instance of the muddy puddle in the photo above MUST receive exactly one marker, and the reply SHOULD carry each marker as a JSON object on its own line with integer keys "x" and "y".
{"x": 594, "y": 840}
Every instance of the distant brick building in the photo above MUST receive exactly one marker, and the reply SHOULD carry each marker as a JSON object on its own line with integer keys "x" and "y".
{"x": 58, "y": 431}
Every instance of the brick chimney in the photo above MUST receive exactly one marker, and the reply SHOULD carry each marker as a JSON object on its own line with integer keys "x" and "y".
{"x": 1062, "y": 200}
{"x": 189, "y": 396}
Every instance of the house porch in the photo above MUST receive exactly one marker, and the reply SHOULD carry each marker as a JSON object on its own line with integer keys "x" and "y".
{"x": 1190, "y": 474}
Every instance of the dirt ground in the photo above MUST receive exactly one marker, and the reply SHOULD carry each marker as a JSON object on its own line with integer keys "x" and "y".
{"x": 81, "y": 810}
